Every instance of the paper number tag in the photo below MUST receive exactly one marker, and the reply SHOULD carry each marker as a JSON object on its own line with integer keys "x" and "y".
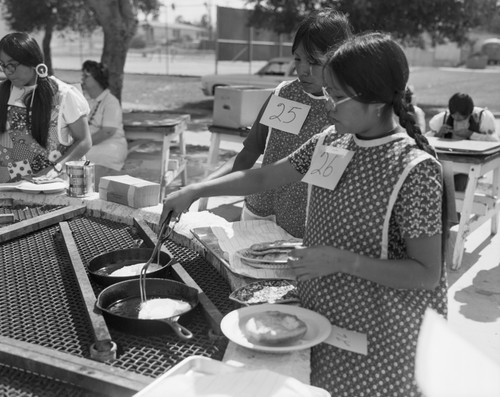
{"x": 348, "y": 340}
{"x": 284, "y": 114}
{"x": 327, "y": 166}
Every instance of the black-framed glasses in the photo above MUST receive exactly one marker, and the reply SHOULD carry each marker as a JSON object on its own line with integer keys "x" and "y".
{"x": 9, "y": 67}
{"x": 332, "y": 101}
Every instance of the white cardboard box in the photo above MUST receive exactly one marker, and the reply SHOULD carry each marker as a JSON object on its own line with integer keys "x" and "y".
{"x": 238, "y": 106}
{"x": 127, "y": 190}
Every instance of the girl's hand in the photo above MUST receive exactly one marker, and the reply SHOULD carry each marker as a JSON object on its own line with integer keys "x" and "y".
{"x": 443, "y": 131}
{"x": 178, "y": 202}
{"x": 312, "y": 262}
{"x": 47, "y": 173}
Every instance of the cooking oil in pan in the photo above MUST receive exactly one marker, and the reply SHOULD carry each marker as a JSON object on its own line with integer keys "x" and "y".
{"x": 153, "y": 308}
{"x": 126, "y": 268}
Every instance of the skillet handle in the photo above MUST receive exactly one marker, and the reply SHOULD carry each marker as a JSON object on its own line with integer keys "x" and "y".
{"x": 181, "y": 331}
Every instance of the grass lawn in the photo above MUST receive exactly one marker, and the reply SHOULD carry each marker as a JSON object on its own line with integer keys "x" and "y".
{"x": 432, "y": 86}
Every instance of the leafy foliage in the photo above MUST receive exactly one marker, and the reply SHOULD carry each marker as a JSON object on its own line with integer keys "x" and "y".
{"x": 24, "y": 15}
{"x": 406, "y": 20}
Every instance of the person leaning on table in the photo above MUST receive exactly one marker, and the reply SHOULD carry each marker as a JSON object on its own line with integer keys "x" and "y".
{"x": 372, "y": 261}
{"x": 43, "y": 121}
{"x": 286, "y": 205}
{"x": 109, "y": 145}
{"x": 463, "y": 120}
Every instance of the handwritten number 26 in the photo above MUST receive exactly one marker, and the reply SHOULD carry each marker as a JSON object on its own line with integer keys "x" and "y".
{"x": 326, "y": 169}
{"x": 283, "y": 108}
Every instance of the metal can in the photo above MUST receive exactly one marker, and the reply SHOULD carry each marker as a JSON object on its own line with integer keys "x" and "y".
{"x": 81, "y": 178}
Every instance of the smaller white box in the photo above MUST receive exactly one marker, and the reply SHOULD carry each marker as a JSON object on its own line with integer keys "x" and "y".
{"x": 238, "y": 106}
{"x": 127, "y": 190}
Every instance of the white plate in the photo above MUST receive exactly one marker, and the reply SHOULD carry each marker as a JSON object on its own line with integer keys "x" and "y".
{"x": 265, "y": 265}
{"x": 248, "y": 258}
{"x": 318, "y": 327}
{"x": 28, "y": 187}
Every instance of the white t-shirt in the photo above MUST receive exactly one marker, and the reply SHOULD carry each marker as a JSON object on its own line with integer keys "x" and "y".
{"x": 487, "y": 131}
{"x": 106, "y": 112}
{"x": 73, "y": 106}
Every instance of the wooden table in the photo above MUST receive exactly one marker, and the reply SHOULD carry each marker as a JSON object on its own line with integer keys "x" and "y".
{"x": 219, "y": 134}
{"x": 160, "y": 127}
{"x": 223, "y": 133}
{"x": 474, "y": 207}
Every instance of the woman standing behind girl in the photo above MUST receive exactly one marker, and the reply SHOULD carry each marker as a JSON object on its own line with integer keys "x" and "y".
{"x": 372, "y": 261}
{"x": 43, "y": 121}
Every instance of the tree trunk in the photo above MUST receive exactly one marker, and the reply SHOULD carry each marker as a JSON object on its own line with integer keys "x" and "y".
{"x": 47, "y": 53}
{"x": 118, "y": 19}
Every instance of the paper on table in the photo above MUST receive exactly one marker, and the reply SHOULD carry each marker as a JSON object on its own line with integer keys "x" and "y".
{"x": 242, "y": 383}
{"x": 464, "y": 146}
{"x": 195, "y": 219}
{"x": 240, "y": 235}
{"x": 448, "y": 365}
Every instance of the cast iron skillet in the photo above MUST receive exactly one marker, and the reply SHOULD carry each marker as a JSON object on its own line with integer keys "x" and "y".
{"x": 120, "y": 304}
{"x": 101, "y": 266}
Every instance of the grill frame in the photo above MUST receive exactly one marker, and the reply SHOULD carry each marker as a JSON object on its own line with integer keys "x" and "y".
{"x": 93, "y": 236}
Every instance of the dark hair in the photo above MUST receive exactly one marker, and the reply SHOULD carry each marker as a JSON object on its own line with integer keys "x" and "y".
{"x": 461, "y": 103}
{"x": 372, "y": 68}
{"x": 24, "y": 49}
{"x": 98, "y": 71}
{"x": 320, "y": 31}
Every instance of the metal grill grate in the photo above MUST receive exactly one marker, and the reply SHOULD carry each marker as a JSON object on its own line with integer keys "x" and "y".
{"x": 19, "y": 383}
{"x": 41, "y": 304}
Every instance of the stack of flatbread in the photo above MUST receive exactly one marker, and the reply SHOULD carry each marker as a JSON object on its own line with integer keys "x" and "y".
{"x": 273, "y": 254}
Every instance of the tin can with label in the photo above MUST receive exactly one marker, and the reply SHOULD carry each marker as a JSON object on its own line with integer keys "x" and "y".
{"x": 81, "y": 176}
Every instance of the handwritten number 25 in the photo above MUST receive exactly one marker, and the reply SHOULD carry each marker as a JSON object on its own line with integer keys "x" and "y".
{"x": 283, "y": 108}
{"x": 326, "y": 168}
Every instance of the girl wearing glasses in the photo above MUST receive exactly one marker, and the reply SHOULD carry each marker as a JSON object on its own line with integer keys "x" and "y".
{"x": 43, "y": 121}
{"x": 372, "y": 259}
{"x": 286, "y": 205}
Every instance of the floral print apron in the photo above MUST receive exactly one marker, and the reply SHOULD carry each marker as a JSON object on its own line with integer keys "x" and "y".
{"x": 362, "y": 215}
{"x": 23, "y": 155}
{"x": 288, "y": 203}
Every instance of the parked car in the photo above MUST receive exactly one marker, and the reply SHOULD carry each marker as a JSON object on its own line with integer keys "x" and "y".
{"x": 269, "y": 76}
{"x": 491, "y": 48}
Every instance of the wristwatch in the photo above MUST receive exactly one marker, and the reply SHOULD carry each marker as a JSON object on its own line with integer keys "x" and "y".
{"x": 58, "y": 167}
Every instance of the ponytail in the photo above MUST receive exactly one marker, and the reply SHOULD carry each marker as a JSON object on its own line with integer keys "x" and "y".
{"x": 40, "y": 114}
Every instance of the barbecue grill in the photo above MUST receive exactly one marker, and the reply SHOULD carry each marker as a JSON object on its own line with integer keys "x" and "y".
{"x": 47, "y": 330}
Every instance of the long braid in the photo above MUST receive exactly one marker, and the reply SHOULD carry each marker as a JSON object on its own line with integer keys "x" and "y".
{"x": 408, "y": 122}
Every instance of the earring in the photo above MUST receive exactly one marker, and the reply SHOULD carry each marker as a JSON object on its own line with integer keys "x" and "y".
{"x": 42, "y": 70}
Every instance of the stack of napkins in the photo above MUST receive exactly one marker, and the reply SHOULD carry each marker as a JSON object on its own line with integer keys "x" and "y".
{"x": 127, "y": 190}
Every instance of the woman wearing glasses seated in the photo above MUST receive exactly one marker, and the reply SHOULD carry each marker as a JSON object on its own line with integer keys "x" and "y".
{"x": 372, "y": 260}
{"x": 43, "y": 121}
{"x": 109, "y": 146}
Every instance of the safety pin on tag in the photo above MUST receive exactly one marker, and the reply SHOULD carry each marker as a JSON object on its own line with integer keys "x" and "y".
{"x": 336, "y": 151}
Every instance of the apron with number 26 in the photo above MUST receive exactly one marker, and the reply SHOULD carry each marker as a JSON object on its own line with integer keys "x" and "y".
{"x": 327, "y": 165}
